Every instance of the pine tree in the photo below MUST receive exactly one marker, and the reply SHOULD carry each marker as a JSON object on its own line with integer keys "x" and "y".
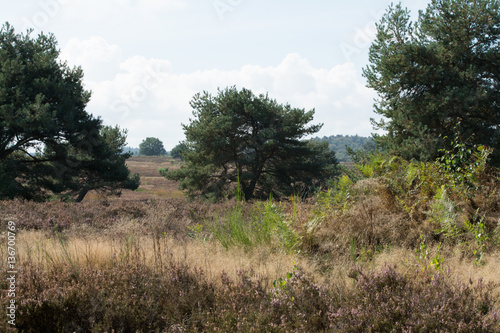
{"x": 438, "y": 73}
{"x": 49, "y": 144}
{"x": 237, "y": 137}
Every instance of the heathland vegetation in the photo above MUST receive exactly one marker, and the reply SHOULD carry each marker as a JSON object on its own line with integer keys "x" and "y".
{"x": 406, "y": 239}
{"x": 391, "y": 245}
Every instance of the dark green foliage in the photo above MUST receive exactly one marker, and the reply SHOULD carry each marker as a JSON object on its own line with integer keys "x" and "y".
{"x": 237, "y": 136}
{"x": 431, "y": 72}
{"x": 463, "y": 164}
{"x": 340, "y": 143}
{"x": 49, "y": 144}
{"x": 152, "y": 147}
{"x": 108, "y": 173}
{"x": 178, "y": 150}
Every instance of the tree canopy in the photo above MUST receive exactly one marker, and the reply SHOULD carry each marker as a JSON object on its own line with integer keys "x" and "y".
{"x": 152, "y": 147}
{"x": 178, "y": 150}
{"x": 239, "y": 138}
{"x": 436, "y": 76}
{"x": 49, "y": 144}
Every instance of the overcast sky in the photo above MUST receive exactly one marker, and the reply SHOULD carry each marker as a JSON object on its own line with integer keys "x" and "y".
{"x": 144, "y": 60}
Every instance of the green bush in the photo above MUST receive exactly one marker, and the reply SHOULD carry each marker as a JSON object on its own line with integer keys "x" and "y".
{"x": 262, "y": 223}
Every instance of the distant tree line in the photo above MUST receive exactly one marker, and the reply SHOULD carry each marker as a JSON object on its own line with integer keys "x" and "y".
{"x": 148, "y": 147}
{"x": 178, "y": 150}
{"x": 131, "y": 150}
{"x": 338, "y": 144}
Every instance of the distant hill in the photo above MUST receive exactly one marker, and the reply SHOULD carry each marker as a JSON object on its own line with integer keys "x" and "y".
{"x": 335, "y": 142}
{"x": 338, "y": 143}
{"x": 135, "y": 151}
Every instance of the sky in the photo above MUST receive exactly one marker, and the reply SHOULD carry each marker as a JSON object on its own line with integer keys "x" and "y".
{"x": 144, "y": 60}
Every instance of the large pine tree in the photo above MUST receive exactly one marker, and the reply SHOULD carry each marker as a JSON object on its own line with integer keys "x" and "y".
{"x": 437, "y": 75}
{"x": 239, "y": 137}
{"x": 49, "y": 144}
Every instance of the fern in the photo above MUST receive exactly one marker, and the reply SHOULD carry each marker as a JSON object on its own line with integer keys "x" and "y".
{"x": 444, "y": 213}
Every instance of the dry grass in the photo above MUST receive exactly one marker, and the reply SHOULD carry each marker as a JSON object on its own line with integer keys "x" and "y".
{"x": 41, "y": 249}
{"x": 153, "y": 185}
{"x": 463, "y": 268}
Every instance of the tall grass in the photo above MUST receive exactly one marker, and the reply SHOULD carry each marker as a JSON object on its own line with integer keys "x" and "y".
{"x": 261, "y": 224}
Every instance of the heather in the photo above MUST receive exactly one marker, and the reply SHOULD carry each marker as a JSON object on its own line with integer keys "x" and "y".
{"x": 131, "y": 297}
{"x": 389, "y": 246}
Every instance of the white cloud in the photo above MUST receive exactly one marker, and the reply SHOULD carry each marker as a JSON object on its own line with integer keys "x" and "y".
{"x": 294, "y": 75}
{"x": 96, "y": 56}
{"x": 145, "y": 95}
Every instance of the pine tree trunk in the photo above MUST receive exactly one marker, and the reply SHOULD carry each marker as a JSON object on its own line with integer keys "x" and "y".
{"x": 83, "y": 193}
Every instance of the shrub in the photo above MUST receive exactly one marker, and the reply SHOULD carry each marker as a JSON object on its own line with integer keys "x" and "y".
{"x": 418, "y": 302}
{"x": 124, "y": 298}
{"x": 297, "y": 304}
{"x": 130, "y": 297}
